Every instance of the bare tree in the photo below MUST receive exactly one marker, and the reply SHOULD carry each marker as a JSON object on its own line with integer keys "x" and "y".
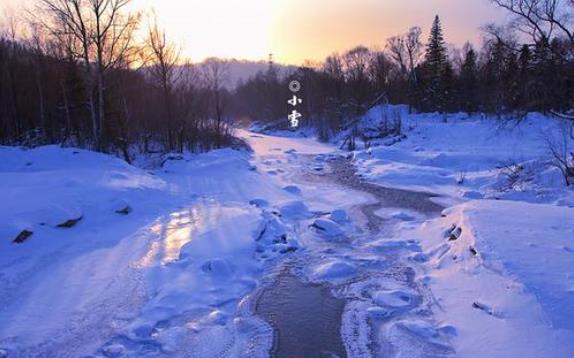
{"x": 100, "y": 35}
{"x": 216, "y": 74}
{"x": 541, "y": 19}
{"x": 164, "y": 70}
{"x": 561, "y": 147}
{"x": 406, "y": 50}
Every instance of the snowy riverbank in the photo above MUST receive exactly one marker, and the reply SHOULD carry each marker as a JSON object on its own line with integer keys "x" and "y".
{"x": 121, "y": 261}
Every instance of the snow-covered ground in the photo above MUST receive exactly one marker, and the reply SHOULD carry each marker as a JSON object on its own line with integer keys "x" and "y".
{"x": 118, "y": 261}
{"x": 500, "y": 260}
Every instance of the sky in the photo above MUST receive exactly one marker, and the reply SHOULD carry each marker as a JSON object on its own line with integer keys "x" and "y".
{"x": 298, "y": 30}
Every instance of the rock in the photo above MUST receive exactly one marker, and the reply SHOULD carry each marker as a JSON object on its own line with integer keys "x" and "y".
{"x": 70, "y": 223}
{"x": 124, "y": 211}
{"x": 455, "y": 234}
{"x": 22, "y": 236}
{"x": 483, "y": 307}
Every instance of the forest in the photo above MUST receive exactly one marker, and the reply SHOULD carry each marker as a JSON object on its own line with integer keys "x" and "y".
{"x": 94, "y": 75}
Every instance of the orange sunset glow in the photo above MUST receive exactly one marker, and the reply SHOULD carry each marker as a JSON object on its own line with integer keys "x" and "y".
{"x": 299, "y": 30}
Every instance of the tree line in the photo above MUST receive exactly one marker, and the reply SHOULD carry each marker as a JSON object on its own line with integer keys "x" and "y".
{"x": 75, "y": 74}
{"x": 525, "y": 66}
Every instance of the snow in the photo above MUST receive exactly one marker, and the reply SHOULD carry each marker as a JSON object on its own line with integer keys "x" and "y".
{"x": 499, "y": 263}
{"x": 514, "y": 296}
{"x": 328, "y": 228}
{"x": 467, "y": 157}
{"x": 333, "y": 270}
{"x": 169, "y": 260}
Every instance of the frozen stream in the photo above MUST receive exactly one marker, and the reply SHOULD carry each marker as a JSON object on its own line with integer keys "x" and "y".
{"x": 331, "y": 318}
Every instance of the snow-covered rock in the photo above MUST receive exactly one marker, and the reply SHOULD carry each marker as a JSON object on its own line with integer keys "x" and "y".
{"x": 328, "y": 228}
{"x": 295, "y": 210}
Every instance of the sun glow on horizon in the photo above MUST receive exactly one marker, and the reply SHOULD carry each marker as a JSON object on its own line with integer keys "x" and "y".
{"x": 298, "y": 30}
{"x": 217, "y": 28}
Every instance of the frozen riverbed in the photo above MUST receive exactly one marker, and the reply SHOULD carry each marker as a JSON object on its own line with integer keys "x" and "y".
{"x": 227, "y": 253}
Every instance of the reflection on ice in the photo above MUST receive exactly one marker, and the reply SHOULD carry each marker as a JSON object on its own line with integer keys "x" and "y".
{"x": 173, "y": 232}
{"x": 178, "y": 232}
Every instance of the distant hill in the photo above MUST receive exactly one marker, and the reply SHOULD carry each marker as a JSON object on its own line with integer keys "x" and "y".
{"x": 242, "y": 70}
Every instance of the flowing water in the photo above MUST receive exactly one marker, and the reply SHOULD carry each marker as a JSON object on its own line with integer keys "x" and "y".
{"x": 306, "y": 318}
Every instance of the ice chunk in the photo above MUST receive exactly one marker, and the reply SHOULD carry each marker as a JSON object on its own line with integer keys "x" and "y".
{"x": 295, "y": 210}
{"x": 339, "y": 216}
{"x": 328, "y": 227}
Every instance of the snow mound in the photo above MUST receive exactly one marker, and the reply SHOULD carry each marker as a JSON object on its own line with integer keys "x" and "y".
{"x": 395, "y": 298}
{"x": 333, "y": 270}
{"x": 295, "y": 210}
{"x": 499, "y": 266}
{"x": 292, "y": 189}
{"x": 328, "y": 228}
{"x": 339, "y": 216}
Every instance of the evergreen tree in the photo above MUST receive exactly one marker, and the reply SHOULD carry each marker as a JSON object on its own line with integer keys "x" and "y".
{"x": 492, "y": 88}
{"x": 469, "y": 81}
{"x": 525, "y": 69}
{"x": 435, "y": 65}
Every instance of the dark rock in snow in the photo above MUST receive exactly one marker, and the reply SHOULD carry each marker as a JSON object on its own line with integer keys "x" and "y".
{"x": 483, "y": 307}
{"x": 453, "y": 233}
{"x": 124, "y": 211}
{"x": 22, "y": 236}
{"x": 70, "y": 223}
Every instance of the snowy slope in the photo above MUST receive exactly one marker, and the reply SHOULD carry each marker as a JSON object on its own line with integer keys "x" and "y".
{"x": 167, "y": 262}
{"x": 167, "y": 276}
{"x": 500, "y": 262}
{"x": 467, "y": 156}
{"x": 506, "y": 283}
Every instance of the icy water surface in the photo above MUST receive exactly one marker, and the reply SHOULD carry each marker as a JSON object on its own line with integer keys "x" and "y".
{"x": 306, "y": 318}
{"x": 344, "y": 173}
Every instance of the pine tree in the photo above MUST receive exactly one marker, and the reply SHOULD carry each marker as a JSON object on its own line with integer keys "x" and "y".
{"x": 469, "y": 81}
{"x": 525, "y": 70}
{"x": 435, "y": 64}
